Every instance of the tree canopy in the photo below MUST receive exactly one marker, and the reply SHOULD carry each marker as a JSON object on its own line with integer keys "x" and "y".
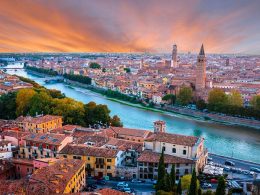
{"x": 94, "y": 65}
{"x": 185, "y": 96}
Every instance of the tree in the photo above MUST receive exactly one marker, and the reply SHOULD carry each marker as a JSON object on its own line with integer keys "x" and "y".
{"x": 185, "y": 96}
{"x": 94, "y": 65}
{"x": 255, "y": 102}
{"x": 200, "y": 104}
{"x": 23, "y": 98}
{"x": 193, "y": 190}
{"x": 8, "y": 106}
{"x": 40, "y": 103}
{"x": 217, "y": 99}
{"x": 221, "y": 189}
{"x": 162, "y": 192}
{"x": 161, "y": 173}
{"x": 235, "y": 99}
{"x": 116, "y": 122}
{"x": 167, "y": 179}
{"x": 127, "y": 70}
{"x": 179, "y": 188}
{"x": 172, "y": 178}
{"x": 199, "y": 191}
{"x": 169, "y": 98}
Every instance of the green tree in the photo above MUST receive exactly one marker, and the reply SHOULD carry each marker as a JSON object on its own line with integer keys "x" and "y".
{"x": 94, "y": 65}
{"x": 8, "y": 106}
{"x": 193, "y": 189}
{"x": 255, "y": 102}
{"x": 40, "y": 103}
{"x": 235, "y": 99}
{"x": 172, "y": 178}
{"x": 162, "y": 192}
{"x": 199, "y": 191}
{"x": 169, "y": 98}
{"x": 185, "y": 96}
{"x": 217, "y": 100}
{"x": 127, "y": 70}
{"x": 54, "y": 93}
{"x": 179, "y": 188}
{"x": 208, "y": 192}
{"x": 167, "y": 179}
{"x": 23, "y": 99}
{"x": 201, "y": 105}
{"x": 161, "y": 173}
{"x": 221, "y": 189}
{"x": 116, "y": 122}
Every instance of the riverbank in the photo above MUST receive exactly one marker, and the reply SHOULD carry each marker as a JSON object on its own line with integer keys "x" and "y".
{"x": 179, "y": 111}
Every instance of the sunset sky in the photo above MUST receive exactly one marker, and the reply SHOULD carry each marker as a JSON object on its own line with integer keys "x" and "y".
{"x": 224, "y": 26}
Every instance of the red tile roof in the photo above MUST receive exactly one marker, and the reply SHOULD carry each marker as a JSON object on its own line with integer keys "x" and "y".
{"x": 108, "y": 191}
{"x": 13, "y": 186}
{"x": 84, "y": 150}
{"x": 39, "y": 119}
{"x": 173, "y": 138}
{"x": 153, "y": 157}
{"x": 54, "y": 178}
{"x": 130, "y": 132}
{"x": 48, "y": 138}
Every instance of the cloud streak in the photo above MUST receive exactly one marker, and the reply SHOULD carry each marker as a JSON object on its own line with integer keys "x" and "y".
{"x": 124, "y": 26}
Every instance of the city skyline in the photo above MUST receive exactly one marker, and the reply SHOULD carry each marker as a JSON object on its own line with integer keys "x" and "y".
{"x": 129, "y": 26}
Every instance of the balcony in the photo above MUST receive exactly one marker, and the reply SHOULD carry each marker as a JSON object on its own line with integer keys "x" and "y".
{"x": 98, "y": 162}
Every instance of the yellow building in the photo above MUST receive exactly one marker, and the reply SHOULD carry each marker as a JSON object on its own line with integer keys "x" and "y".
{"x": 99, "y": 161}
{"x": 39, "y": 124}
{"x": 64, "y": 176}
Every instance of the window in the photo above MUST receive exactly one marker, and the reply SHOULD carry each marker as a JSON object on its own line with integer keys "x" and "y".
{"x": 109, "y": 160}
{"x": 65, "y": 156}
{"x": 88, "y": 158}
{"x": 47, "y": 146}
{"x": 184, "y": 152}
{"x": 101, "y": 166}
{"x": 163, "y": 148}
{"x": 174, "y": 150}
{"x": 108, "y": 167}
{"x": 186, "y": 171}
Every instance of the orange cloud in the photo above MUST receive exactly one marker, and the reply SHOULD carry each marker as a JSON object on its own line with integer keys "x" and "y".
{"x": 123, "y": 26}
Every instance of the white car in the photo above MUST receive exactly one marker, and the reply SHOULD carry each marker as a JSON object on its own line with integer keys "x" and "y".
{"x": 122, "y": 185}
{"x": 136, "y": 181}
{"x": 206, "y": 185}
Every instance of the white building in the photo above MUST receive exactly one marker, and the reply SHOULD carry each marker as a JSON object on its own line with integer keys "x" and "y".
{"x": 5, "y": 149}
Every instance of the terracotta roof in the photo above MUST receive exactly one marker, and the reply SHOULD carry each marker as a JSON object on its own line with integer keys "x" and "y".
{"x": 131, "y": 132}
{"x": 14, "y": 134}
{"x": 4, "y": 143}
{"x": 65, "y": 129}
{"x": 122, "y": 144}
{"x": 48, "y": 138}
{"x": 54, "y": 178}
{"x": 85, "y": 150}
{"x": 22, "y": 161}
{"x": 97, "y": 140}
{"x": 173, "y": 138}
{"x": 109, "y": 191}
{"x": 13, "y": 186}
{"x": 39, "y": 119}
{"x": 153, "y": 157}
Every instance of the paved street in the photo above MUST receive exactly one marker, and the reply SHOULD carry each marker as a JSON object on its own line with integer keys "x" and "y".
{"x": 144, "y": 188}
{"x": 238, "y": 163}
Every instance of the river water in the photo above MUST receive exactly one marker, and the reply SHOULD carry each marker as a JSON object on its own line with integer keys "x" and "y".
{"x": 227, "y": 140}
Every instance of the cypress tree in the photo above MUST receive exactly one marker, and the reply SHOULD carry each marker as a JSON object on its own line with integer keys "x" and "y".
{"x": 167, "y": 183}
{"x": 161, "y": 173}
{"x": 221, "y": 189}
{"x": 199, "y": 191}
{"x": 172, "y": 177}
{"x": 193, "y": 184}
{"x": 179, "y": 189}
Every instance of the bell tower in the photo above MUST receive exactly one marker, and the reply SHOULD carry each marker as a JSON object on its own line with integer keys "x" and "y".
{"x": 201, "y": 70}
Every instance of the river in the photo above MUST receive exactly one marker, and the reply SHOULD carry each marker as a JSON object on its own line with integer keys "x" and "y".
{"x": 233, "y": 141}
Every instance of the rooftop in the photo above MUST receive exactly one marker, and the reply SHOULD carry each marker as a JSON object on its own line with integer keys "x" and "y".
{"x": 84, "y": 150}
{"x": 173, "y": 138}
{"x": 153, "y": 157}
{"x": 55, "y": 177}
{"x": 54, "y": 139}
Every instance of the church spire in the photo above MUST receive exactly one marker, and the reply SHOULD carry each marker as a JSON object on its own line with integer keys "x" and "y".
{"x": 202, "y": 53}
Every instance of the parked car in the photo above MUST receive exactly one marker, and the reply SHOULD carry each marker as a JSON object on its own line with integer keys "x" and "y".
{"x": 213, "y": 181}
{"x": 122, "y": 185}
{"x": 209, "y": 159}
{"x": 230, "y": 163}
{"x": 136, "y": 181}
{"x": 255, "y": 169}
{"x": 127, "y": 190}
{"x": 206, "y": 185}
{"x": 226, "y": 168}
